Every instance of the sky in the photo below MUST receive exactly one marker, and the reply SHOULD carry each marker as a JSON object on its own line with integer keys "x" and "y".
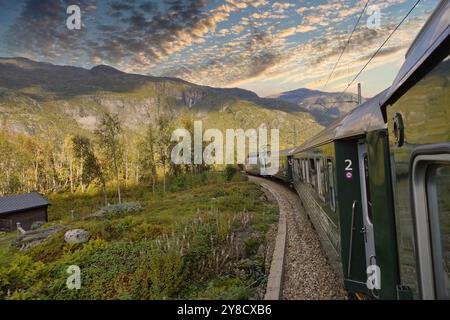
{"x": 260, "y": 45}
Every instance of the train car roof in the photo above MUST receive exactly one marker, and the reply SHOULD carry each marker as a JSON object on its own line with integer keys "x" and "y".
{"x": 364, "y": 118}
{"x": 432, "y": 36}
{"x": 285, "y": 152}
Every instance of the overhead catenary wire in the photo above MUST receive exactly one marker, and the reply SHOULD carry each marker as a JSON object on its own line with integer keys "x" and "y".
{"x": 346, "y": 44}
{"x": 382, "y": 45}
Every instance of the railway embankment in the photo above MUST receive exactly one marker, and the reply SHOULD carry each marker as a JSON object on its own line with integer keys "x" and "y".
{"x": 299, "y": 268}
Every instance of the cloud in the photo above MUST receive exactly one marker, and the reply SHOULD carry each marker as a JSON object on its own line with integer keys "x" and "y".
{"x": 303, "y": 29}
{"x": 223, "y": 43}
{"x": 238, "y": 28}
{"x": 282, "y": 5}
{"x": 226, "y": 8}
{"x": 287, "y": 32}
{"x": 238, "y": 4}
{"x": 180, "y": 25}
{"x": 258, "y": 3}
{"x": 40, "y": 29}
{"x": 241, "y": 5}
{"x": 311, "y": 19}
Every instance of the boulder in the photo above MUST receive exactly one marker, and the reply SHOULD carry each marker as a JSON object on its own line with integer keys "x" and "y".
{"x": 77, "y": 236}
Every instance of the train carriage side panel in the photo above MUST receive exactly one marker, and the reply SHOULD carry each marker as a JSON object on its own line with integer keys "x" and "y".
{"x": 349, "y": 199}
{"x": 418, "y": 116}
{"x": 419, "y": 135}
{"x": 383, "y": 212}
{"x": 314, "y": 180}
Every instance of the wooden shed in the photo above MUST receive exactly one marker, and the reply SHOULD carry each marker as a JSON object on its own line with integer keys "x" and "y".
{"x": 25, "y": 208}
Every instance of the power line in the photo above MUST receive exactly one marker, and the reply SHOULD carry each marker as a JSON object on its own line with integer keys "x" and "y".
{"x": 382, "y": 45}
{"x": 347, "y": 43}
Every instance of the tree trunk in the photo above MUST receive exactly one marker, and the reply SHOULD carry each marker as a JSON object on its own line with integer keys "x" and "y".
{"x": 71, "y": 174}
{"x": 81, "y": 175}
{"x": 117, "y": 179}
{"x": 126, "y": 168}
{"x": 136, "y": 177}
{"x": 36, "y": 173}
{"x": 164, "y": 176}
{"x": 104, "y": 192}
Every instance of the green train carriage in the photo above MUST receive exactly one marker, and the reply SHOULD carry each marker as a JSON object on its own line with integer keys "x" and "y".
{"x": 418, "y": 116}
{"x": 284, "y": 172}
{"x": 258, "y": 161}
{"x": 341, "y": 178}
{"x": 376, "y": 183}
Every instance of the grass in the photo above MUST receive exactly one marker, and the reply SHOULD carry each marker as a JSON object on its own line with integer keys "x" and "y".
{"x": 199, "y": 242}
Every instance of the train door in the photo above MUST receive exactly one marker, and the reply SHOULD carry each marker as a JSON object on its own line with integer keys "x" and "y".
{"x": 367, "y": 228}
{"x": 349, "y": 207}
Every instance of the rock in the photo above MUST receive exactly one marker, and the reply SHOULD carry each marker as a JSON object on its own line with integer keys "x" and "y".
{"x": 77, "y": 236}
{"x": 263, "y": 198}
{"x": 192, "y": 96}
{"x": 34, "y": 237}
{"x": 261, "y": 251}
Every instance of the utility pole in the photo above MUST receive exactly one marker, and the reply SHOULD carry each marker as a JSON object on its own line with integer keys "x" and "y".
{"x": 359, "y": 93}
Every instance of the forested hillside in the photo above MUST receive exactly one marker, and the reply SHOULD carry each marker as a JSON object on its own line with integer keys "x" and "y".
{"x": 52, "y": 118}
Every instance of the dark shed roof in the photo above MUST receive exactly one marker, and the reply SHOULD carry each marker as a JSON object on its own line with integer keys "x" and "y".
{"x": 22, "y": 202}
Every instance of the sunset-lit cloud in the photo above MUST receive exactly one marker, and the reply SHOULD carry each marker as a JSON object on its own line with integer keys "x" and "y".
{"x": 262, "y": 45}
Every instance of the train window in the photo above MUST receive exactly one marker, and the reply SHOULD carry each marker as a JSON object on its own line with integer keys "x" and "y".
{"x": 301, "y": 170}
{"x": 312, "y": 172}
{"x": 304, "y": 171}
{"x": 369, "y": 201}
{"x": 294, "y": 169}
{"x": 320, "y": 178}
{"x": 438, "y": 194}
{"x": 312, "y": 165}
{"x": 431, "y": 195}
{"x": 331, "y": 184}
{"x": 297, "y": 170}
{"x": 307, "y": 171}
{"x": 297, "y": 176}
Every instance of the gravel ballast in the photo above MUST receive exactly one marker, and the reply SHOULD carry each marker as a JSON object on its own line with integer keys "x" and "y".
{"x": 307, "y": 274}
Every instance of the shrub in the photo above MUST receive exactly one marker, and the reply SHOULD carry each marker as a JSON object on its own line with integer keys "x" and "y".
{"x": 160, "y": 273}
{"x": 146, "y": 231}
{"x": 185, "y": 245}
{"x": 21, "y": 273}
{"x": 229, "y": 172}
{"x": 176, "y": 183}
{"x": 124, "y": 225}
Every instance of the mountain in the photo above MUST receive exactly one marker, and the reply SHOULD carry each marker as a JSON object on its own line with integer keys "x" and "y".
{"x": 324, "y": 106}
{"x": 52, "y": 101}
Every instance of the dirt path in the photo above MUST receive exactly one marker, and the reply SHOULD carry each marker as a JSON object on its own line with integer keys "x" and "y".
{"x": 307, "y": 274}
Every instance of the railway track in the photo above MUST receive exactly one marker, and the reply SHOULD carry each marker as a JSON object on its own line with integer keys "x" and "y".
{"x": 306, "y": 273}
